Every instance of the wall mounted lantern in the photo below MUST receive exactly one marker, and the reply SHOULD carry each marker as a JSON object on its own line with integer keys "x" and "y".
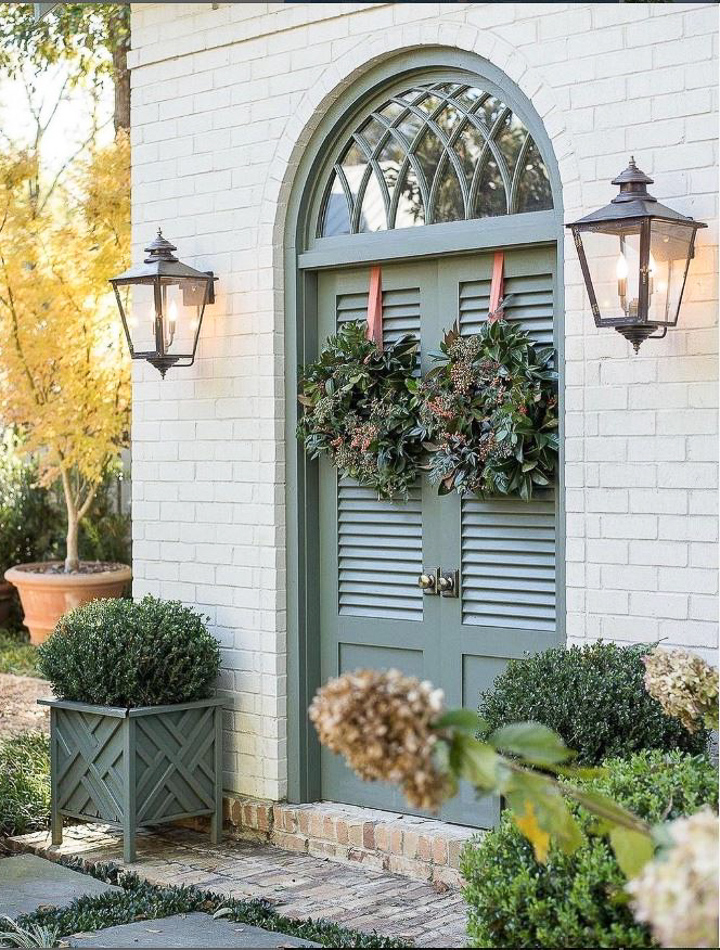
{"x": 162, "y": 303}
{"x": 634, "y": 254}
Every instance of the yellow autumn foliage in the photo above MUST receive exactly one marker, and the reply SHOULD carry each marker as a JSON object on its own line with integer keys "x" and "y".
{"x": 64, "y": 368}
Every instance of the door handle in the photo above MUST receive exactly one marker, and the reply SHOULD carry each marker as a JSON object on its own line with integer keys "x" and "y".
{"x": 428, "y": 583}
{"x": 448, "y": 583}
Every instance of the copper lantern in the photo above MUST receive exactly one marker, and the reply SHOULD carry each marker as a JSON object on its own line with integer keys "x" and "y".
{"x": 162, "y": 303}
{"x": 634, "y": 254}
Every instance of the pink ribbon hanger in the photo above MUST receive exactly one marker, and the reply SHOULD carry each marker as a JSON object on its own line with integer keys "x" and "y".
{"x": 497, "y": 287}
{"x": 374, "y": 329}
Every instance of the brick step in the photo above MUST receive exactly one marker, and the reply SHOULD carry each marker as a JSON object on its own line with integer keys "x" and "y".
{"x": 419, "y": 848}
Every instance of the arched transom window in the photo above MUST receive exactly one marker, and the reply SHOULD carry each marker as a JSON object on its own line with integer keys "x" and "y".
{"x": 437, "y": 152}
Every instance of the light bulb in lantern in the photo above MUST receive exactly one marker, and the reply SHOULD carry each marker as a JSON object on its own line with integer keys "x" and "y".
{"x": 621, "y": 271}
{"x": 172, "y": 322}
{"x": 652, "y": 267}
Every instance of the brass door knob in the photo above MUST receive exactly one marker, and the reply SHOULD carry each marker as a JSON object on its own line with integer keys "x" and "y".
{"x": 427, "y": 582}
{"x": 448, "y": 583}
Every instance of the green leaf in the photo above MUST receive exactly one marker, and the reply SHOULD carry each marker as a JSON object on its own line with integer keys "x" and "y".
{"x": 464, "y": 719}
{"x": 533, "y": 741}
{"x": 632, "y": 849}
{"x": 606, "y": 809}
{"x": 476, "y": 761}
{"x": 541, "y": 813}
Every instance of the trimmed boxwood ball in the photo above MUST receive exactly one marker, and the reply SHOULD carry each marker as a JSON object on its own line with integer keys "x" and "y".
{"x": 594, "y": 696}
{"x": 125, "y": 653}
{"x": 577, "y": 900}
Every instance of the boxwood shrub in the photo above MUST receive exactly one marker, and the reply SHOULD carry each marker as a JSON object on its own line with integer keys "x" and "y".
{"x": 593, "y": 696}
{"x": 577, "y": 901}
{"x": 123, "y": 653}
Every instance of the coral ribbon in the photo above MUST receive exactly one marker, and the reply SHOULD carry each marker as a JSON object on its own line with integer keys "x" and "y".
{"x": 497, "y": 287}
{"x": 374, "y": 329}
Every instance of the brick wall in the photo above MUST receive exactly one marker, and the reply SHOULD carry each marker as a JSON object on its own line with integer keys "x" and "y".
{"x": 223, "y": 100}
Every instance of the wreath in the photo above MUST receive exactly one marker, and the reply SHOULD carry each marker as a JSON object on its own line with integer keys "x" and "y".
{"x": 490, "y": 413}
{"x": 360, "y": 409}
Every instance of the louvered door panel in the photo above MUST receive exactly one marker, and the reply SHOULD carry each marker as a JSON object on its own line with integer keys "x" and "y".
{"x": 373, "y": 615}
{"x": 508, "y": 563}
{"x": 379, "y": 554}
{"x": 401, "y": 311}
{"x": 531, "y": 305}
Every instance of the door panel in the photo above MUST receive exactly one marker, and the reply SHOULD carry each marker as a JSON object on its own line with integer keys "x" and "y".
{"x": 373, "y": 614}
{"x": 379, "y": 554}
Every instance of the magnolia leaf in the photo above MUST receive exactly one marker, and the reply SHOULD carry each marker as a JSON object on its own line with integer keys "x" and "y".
{"x": 533, "y": 741}
{"x": 632, "y": 849}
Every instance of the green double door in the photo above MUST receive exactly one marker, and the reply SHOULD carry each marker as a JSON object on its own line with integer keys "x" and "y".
{"x": 502, "y": 553}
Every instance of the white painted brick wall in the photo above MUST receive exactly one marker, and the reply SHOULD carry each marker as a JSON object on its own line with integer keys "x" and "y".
{"x": 221, "y": 98}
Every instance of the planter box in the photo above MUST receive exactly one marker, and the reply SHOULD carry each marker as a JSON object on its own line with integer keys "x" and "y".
{"x": 132, "y": 768}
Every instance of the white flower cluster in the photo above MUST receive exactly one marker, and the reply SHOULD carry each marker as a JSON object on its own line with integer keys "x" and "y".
{"x": 685, "y": 686}
{"x": 381, "y": 722}
{"x": 676, "y": 894}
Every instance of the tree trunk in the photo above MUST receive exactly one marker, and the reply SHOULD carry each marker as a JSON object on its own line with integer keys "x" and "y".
{"x": 72, "y": 560}
{"x": 121, "y": 79}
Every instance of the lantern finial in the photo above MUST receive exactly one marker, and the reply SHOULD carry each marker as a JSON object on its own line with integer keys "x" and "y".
{"x": 160, "y": 250}
{"x": 633, "y": 184}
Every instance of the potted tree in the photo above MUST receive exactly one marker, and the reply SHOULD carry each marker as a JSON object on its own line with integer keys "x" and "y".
{"x": 27, "y": 517}
{"x": 135, "y": 731}
{"x": 64, "y": 373}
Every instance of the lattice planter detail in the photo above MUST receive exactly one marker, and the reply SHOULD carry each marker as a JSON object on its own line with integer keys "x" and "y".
{"x": 133, "y": 768}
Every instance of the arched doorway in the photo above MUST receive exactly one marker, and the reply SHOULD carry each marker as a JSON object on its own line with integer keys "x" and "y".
{"x": 426, "y": 169}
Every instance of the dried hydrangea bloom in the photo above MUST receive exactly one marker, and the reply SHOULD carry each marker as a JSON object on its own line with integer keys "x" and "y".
{"x": 676, "y": 894}
{"x": 685, "y": 686}
{"x": 381, "y": 722}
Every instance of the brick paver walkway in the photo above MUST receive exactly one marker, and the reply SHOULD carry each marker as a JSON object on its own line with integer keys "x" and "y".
{"x": 300, "y": 885}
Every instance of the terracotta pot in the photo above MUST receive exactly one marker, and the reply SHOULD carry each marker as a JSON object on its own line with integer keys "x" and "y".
{"x": 46, "y": 597}
{"x": 6, "y": 598}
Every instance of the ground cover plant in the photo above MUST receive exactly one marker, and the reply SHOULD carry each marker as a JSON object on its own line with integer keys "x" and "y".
{"x": 143, "y": 901}
{"x": 593, "y": 696}
{"x": 17, "y": 655}
{"x": 24, "y": 783}
{"x": 577, "y": 900}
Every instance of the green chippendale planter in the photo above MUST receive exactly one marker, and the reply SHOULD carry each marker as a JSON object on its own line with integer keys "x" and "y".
{"x": 133, "y": 768}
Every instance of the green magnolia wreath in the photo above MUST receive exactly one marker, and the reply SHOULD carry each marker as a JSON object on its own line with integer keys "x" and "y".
{"x": 489, "y": 413}
{"x": 360, "y": 410}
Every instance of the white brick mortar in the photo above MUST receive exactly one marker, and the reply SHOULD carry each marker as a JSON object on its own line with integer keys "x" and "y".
{"x": 224, "y": 101}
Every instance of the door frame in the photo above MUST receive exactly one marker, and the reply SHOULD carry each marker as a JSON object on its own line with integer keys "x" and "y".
{"x": 304, "y": 256}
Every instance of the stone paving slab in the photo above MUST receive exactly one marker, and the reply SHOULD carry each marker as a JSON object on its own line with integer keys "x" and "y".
{"x": 28, "y": 882}
{"x": 187, "y": 930}
{"x": 298, "y": 884}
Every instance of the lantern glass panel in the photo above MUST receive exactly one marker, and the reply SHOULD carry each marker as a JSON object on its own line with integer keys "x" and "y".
{"x": 138, "y": 303}
{"x": 668, "y": 261}
{"x": 612, "y": 252}
{"x": 182, "y": 304}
